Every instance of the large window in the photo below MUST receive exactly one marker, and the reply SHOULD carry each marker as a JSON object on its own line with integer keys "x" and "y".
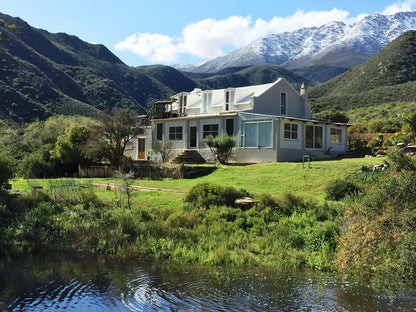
{"x": 283, "y": 104}
{"x": 211, "y": 129}
{"x": 291, "y": 131}
{"x": 159, "y": 131}
{"x": 229, "y": 100}
{"x": 175, "y": 133}
{"x": 207, "y": 98}
{"x": 258, "y": 134}
{"x": 314, "y": 137}
{"x": 336, "y": 136}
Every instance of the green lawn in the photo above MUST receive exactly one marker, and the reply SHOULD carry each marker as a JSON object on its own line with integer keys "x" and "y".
{"x": 272, "y": 178}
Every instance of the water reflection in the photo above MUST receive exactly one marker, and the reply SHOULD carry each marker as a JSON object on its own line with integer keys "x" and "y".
{"x": 60, "y": 283}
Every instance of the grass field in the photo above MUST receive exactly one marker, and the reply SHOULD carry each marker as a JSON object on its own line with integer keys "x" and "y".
{"x": 271, "y": 178}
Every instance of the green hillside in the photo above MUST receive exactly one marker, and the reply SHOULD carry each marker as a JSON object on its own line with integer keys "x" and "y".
{"x": 44, "y": 74}
{"x": 389, "y": 76}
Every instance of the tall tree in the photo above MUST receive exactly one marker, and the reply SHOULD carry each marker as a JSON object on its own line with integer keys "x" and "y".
{"x": 109, "y": 139}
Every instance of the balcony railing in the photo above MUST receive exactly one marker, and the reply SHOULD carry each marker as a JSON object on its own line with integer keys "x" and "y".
{"x": 165, "y": 109}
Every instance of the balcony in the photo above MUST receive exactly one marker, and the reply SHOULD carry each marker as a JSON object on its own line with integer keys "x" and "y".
{"x": 167, "y": 109}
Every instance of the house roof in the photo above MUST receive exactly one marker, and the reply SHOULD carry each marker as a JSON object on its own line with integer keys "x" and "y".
{"x": 242, "y": 95}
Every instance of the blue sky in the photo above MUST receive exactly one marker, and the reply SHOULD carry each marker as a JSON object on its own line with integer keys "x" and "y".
{"x": 142, "y": 32}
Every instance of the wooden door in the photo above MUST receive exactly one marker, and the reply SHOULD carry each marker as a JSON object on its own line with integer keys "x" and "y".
{"x": 142, "y": 149}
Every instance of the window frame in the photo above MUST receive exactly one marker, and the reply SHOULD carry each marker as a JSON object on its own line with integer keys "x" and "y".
{"x": 229, "y": 99}
{"x": 210, "y": 131}
{"x": 159, "y": 131}
{"x": 206, "y": 101}
{"x": 175, "y": 133}
{"x": 283, "y": 103}
{"x": 258, "y": 139}
{"x": 337, "y": 136}
{"x": 316, "y": 144}
{"x": 291, "y": 133}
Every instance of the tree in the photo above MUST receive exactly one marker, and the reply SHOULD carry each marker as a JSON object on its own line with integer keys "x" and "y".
{"x": 221, "y": 147}
{"x": 410, "y": 123}
{"x": 70, "y": 147}
{"x": 332, "y": 115}
{"x": 5, "y": 172}
{"x": 110, "y": 137}
{"x": 164, "y": 149}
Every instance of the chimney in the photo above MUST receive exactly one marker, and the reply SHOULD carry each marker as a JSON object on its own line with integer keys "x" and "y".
{"x": 303, "y": 90}
{"x": 304, "y": 94}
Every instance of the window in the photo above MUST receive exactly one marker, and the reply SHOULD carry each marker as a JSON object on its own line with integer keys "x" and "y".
{"x": 282, "y": 103}
{"x": 229, "y": 127}
{"x": 336, "y": 136}
{"x": 291, "y": 131}
{"x": 314, "y": 135}
{"x": 159, "y": 131}
{"x": 229, "y": 100}
{"x": 175, "y": 133}
{"x": 211, "y": 129}
{"x": 207, "y": 98}
{"x": 258, "y": 134}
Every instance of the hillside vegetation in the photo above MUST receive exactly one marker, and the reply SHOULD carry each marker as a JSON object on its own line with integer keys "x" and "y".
{"x": 44, "y": 74}
{"x": 389, "y": 76}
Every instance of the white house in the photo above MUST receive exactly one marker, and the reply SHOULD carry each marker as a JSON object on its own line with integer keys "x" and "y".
{"x": 271, "y": 122}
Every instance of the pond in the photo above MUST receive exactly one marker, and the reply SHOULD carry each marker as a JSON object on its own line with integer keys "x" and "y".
{"x": 60, "y": 283}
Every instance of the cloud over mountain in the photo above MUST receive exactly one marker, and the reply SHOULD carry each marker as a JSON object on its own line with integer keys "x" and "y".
{"x": 211, "y": 38}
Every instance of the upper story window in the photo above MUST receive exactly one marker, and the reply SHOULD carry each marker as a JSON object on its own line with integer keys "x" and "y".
{"x": 336, "y": 136}
{"x": 283, "y": 104}
{"x": 290, "y": 131}
{"x": 182, "y": 103}
{"x": 229, "y": 100}
{"x": 207, "y": 99}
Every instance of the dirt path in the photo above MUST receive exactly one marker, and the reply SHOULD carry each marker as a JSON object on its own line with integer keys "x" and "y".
{"x": 136, "y": 188}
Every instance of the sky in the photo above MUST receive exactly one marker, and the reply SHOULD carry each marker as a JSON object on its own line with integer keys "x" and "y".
{"x": 143, "y": 32}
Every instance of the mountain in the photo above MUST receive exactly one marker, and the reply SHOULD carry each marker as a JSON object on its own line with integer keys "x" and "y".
{"x": 251, "y": 75}
{"x": 388, "y": 76}
{"x": 43, "y": 74}
{"x": 319, "y": 53}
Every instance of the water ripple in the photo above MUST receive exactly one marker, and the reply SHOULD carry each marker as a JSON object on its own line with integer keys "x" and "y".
{"x": 169, "y": 287}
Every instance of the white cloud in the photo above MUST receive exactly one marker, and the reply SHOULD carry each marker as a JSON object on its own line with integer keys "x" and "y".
{"x": 155, "y": 48}
{"x": 401, "y": 6}
{"x": 207, "y": 38}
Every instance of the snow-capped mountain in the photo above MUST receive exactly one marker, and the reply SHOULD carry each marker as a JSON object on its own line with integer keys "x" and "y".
{"x": 334, "y": 44}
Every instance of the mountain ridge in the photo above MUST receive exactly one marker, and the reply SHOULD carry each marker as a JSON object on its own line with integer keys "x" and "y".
{"x": 388, "y": 76}
{"x": 308, "y": 46}
{"x": 43, "y": 74}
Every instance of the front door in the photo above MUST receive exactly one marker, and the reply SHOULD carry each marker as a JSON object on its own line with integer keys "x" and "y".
{"x": 229, "y": 127}
{"x": 142, "y": 149}
{"x": 192, "y": 137}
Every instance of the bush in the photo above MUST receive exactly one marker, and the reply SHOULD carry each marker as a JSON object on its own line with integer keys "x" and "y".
{"x": 340, "y": 188}
{"x": 34, "y": 166}
{"x": 204, "y": 195}
{"x": 5, "y": 173}
{"x": 400, "y": 161}
{"x": 40, "y": 225}
{"x": 221, "y": 147}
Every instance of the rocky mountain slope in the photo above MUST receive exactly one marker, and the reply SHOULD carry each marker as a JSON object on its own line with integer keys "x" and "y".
{"x": 319, "y": 53}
